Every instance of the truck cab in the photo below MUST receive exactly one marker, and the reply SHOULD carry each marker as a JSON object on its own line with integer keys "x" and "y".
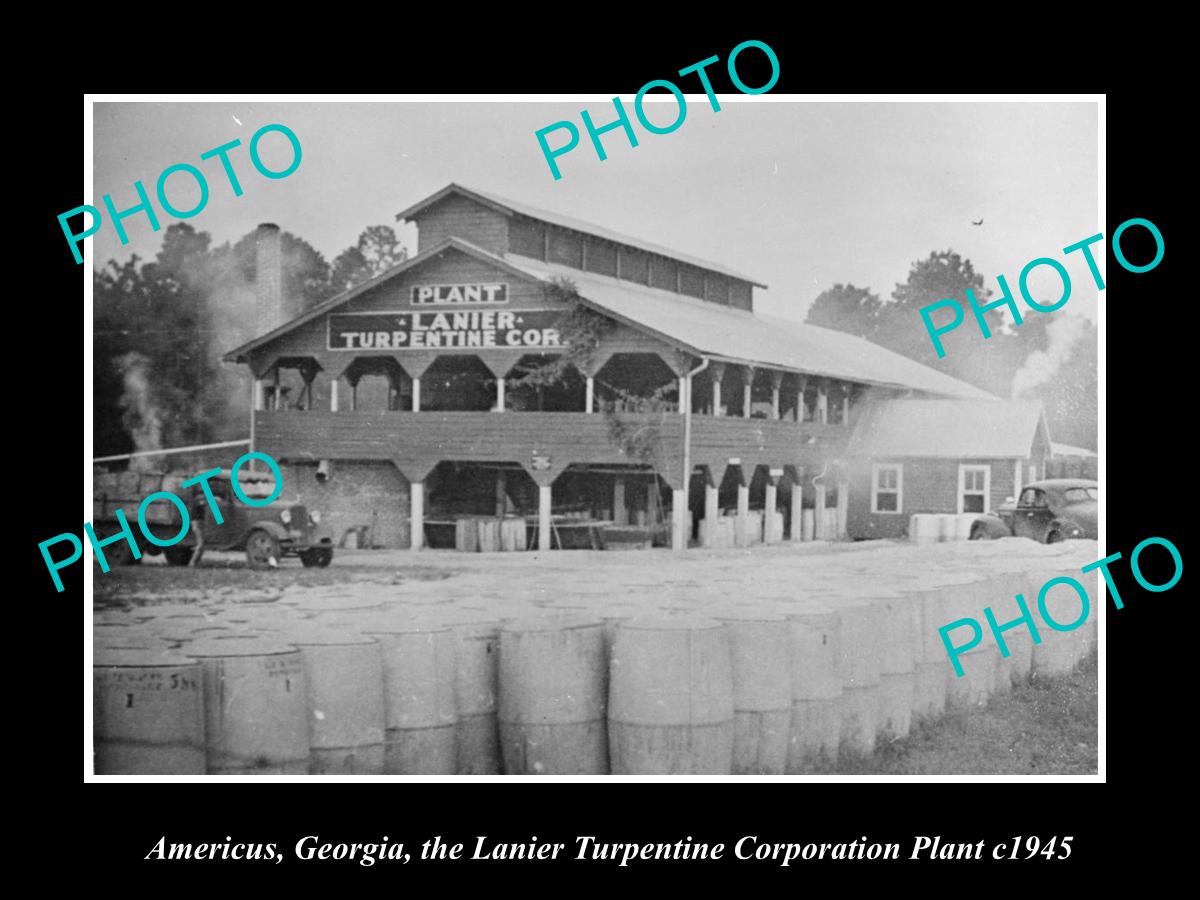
{"x": 266, "y": 534}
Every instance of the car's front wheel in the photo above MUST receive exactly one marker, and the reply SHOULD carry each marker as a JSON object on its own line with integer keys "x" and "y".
{"x": 262, "y": 550}
{"x": 1054, "y": 537}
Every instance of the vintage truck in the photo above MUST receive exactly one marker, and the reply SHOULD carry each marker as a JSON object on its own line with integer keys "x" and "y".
{"x": 267, "y": 534}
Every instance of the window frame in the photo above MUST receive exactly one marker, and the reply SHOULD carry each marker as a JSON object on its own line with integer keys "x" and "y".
{"x": 876, "y": 468}
{"x": 960, "y": 497}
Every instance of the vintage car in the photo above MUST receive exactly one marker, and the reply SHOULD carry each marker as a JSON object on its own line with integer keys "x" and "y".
{"x": 267, "y": 534}
{"x": 1057, "y": 509}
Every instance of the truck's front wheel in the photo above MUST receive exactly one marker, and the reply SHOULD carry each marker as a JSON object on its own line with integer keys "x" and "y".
{"x": 262, "y": 550}
{"x": 178, "y": 556}
{"x": 317, "y": 556}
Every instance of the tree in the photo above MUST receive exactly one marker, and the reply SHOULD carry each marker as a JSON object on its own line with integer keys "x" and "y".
{"x": 847, "y": 308}
{"x": 381, "y": 249}
{"x": 377, "y": 250}
{"x": 350, "y": 268}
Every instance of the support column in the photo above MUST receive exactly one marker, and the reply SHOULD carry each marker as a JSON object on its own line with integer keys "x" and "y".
{"x": 679, "y": 510}
{"x": 708, "y": 534}
{"x": 543, "y": 517}
{"x": 800, "y": 404}
{"x": 797, "y": 513}
{"x": 416, "y": 502}
{"x": 620, "y": 513}
{"x": 589, "y": 402}
{"x": 1017, "y": 478}
{"x": 501, "y": 492}
{"x": 846, "y": 404}
{"x": 747, "y": 381}
{"x": 769, "y": 504}
{"x": 843, "y": 507}
{"x": 685, "y": 397}
{"x": 333, "y": 394}
{"x": 822, "y": 416}
{"x": 716, "y": 372}
{"x": 416, "y": 394}
{"x": 776, "y": 384}
{"x": 652, "y": 500}
{"x": 500, "y": 394}
{"x": 743, "y": 516}
{"x": 258, "y": 395}
{"x": 819, "y": 514}
{"x": 354, "y": 395}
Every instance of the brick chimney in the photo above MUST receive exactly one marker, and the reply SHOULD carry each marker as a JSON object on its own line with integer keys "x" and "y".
{"x": 268, "y": 278}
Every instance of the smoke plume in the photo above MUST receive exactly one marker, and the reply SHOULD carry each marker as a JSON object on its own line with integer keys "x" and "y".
{"x": 140, "y": 414}
{"x": 1042, "y": 365}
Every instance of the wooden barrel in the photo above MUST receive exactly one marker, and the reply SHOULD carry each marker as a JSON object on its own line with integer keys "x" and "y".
{"x": 859, "y": 648}
{"x": 924, "y": 528}
{"x": 760, "y": 655}
{"x": 345, "y": 700}
{"x": 488, "y": 534}
{"x": 147, "y": 713}
{"x": 476, "y": 655}
{"x": 466, "y": 535}
{"x": 816, "y": 727}
{"x": 965, "y": 598}
{"x": 256, "y": 706}
{"x": 553, "y": 692}
{"x": 670, "y": 709}
{"x": 512, "y": 534}
{"x": 897, "y": 667}
{"x": 420, "y": 713}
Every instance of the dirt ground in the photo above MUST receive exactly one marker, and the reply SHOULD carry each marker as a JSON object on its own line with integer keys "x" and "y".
{"x": 1048, "y": 726}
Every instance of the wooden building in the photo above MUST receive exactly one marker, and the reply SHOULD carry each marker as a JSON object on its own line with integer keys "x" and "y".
{"x": 412, "y": 398}
{"x": 940, "y": 456}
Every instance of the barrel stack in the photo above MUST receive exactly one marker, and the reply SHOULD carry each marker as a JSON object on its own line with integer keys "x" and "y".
{"x": 638, "y": 673}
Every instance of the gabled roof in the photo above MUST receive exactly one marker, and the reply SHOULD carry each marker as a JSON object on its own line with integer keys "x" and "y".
{"x": 239, "y": 354}
{"x": 735, "y": 335}
{"x": 510, "y": 207}
{"x": 948, "y": 429}
{"x": 697, "y": 326}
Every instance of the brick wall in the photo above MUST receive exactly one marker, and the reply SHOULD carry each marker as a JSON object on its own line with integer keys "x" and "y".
{"x": 359, "y": 493}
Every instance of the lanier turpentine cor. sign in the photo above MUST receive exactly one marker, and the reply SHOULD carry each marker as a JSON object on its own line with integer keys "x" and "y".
{"x": 425, "y": 330}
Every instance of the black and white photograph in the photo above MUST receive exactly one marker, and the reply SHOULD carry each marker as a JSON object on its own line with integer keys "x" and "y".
{"x": 696, "y": 436}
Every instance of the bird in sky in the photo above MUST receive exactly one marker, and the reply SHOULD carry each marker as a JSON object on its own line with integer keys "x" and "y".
{"x": 980, "y": 222}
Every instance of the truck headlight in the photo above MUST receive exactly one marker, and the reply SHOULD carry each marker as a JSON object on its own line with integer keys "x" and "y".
{"x": 286, "y": 516}
{"x": 314, "y": 517}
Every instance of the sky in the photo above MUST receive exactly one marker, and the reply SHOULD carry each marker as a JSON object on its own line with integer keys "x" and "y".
{"x": 798, "y": 195}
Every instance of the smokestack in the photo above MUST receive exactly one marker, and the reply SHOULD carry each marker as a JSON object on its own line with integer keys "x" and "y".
{"x": 268, "y": 277}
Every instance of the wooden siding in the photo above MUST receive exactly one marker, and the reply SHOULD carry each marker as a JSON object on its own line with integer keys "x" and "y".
{"x": 458, "y": 216}
{"x": 691, "y": 282}
{"x": 527, "y": 237}
{"x": 416, "y": 442}
{"x": 930, "y": 486}
{"x": 741, "y": 295}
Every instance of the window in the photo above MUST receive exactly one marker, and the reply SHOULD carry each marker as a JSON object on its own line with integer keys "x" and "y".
{"x": 974, "y": 488}
{"x": 1032, "y": 497}
{"x": 1080, "y": 495}
{"x": 887, "y": 488}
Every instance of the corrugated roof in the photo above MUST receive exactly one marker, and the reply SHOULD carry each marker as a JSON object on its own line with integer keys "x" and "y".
{"x": 736, "y": 335}
{"x": 574, "y": 224}
{"x": 947, "y": 428}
